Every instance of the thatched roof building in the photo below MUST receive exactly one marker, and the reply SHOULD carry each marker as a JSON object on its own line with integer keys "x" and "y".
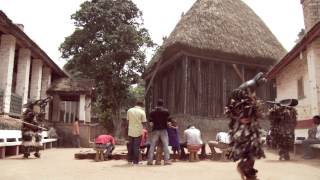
{"x": 223, "y": 28}
{"x": 216, "y": 45}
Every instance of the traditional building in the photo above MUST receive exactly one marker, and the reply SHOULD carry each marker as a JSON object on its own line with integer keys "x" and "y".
{"x": 28, "y": 73}
{"x": 72, "y": 99}
{"x": 215, "y": 47}
{"x": 297, "y": 75}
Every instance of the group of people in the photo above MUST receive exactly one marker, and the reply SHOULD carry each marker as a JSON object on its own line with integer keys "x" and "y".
{"x": 164, "y": 132}
{"x": 243, "y": 140}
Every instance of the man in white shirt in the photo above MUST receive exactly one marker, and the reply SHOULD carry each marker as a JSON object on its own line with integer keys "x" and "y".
{"x": 192, "y": 136}
{"x": 312, "y": 140}
{"x": 222, "y": 142}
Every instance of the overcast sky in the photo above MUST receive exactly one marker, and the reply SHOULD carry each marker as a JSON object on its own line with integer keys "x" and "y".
{"x": 48, "y": 22}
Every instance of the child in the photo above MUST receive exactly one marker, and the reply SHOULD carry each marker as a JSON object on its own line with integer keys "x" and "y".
{"x": 173, "y": 135}
{"x": 144, "y": 142}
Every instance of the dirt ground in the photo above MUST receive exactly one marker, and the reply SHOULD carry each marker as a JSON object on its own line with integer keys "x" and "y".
{"x": 59, "y": 164}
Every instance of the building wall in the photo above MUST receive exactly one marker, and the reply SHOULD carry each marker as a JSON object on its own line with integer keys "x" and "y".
{"x": 201, "y": 87}
{"x": 87, "y": 134}
{"x": 287, "y": 85}
{"x": 311, "y": 12}
{"x": 208, "y": 127}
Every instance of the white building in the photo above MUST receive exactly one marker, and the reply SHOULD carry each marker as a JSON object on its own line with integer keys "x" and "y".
{"x": 297, "y": 75}
{"x": 27, "y": 72}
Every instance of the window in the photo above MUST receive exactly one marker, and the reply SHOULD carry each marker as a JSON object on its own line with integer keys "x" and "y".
{"x": 300, "y": 88}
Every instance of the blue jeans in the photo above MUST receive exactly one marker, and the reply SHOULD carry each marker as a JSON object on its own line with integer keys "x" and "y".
{"x": 163, "y": 136}
{"x": 306, "y": 146}
{"x": 109, "y": 149}
{"x": 133, "y": 149}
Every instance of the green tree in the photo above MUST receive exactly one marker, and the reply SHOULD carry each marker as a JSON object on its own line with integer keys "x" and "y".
{"x": 135, "y": 93}
{"x": 108, "y": 45}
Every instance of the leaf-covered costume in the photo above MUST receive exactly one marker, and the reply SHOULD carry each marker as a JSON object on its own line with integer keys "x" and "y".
{"x": 31, "y": 130}
{"x": 245, "y": 135}
{"x": 283, "y": 121}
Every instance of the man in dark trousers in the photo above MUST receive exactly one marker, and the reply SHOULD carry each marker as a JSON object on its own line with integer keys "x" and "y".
{"x": 159, "y": 118}
{"x": 136, "y": 120}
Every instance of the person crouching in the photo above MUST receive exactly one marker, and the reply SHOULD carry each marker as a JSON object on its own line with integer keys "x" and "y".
{"x": 104, "y": 145}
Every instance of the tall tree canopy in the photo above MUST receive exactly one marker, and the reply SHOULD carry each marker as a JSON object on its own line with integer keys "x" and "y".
{"x": 108, "y": 45}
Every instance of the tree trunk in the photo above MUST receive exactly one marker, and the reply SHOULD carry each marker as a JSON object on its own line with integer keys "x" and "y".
{"x": 116, "y": 123}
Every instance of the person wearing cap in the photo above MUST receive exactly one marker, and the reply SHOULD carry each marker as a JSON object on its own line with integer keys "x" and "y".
{"x": 159, "y": 119}
{"x": 314, "y": 138}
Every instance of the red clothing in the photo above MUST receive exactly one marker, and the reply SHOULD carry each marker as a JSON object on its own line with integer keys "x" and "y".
{"x": 104, "y": 139}
{"x": 144, "y": 137}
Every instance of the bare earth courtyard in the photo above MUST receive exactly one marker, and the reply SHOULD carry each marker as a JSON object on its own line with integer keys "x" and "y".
{"x": 59, "y": 164}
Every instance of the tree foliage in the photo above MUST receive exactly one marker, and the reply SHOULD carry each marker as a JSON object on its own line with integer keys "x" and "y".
{"x": 135, "y": 93}
{"x": 108, "y": 45}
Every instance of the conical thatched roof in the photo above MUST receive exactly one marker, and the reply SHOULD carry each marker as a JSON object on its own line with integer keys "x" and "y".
{"x": 223, "y": 27}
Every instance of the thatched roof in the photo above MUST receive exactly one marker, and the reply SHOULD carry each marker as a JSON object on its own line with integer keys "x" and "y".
{"x": 223, "y": 27}
{"x": 8, "y": 123}
{"x": 71, "y": 86}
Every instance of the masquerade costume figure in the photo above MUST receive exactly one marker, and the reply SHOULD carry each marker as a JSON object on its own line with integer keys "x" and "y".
{"x": 283, "y": 121}
{"x": 243, "y": 110}
{"x": 33, "y": 115}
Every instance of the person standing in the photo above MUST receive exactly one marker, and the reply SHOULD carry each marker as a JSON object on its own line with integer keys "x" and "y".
{"x": 76, "y": 133}
{"x": 136, "y": 117}
{"x": 245, "y": 130}
{"x": 159, "y": 118}
{"x": 173, "y": 134}
{"x": 283, "y": 120}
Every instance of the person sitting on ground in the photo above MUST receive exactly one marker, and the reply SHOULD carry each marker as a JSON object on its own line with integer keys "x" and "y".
{"x": 222, "y": 142}
{"x": 107, "y": 143}
{"x": 192, "y": 136}
{"x": 314, "y": 138}
{"x": 173, "y": 135}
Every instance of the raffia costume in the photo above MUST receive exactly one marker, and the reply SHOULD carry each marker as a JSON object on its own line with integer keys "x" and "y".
{"x": 33, "y": 116}
{"x": 243, "y": 110}
{"x": 283, "y": 121}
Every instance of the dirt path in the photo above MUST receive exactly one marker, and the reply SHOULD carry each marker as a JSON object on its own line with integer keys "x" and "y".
{"x": 59, "y": 164}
